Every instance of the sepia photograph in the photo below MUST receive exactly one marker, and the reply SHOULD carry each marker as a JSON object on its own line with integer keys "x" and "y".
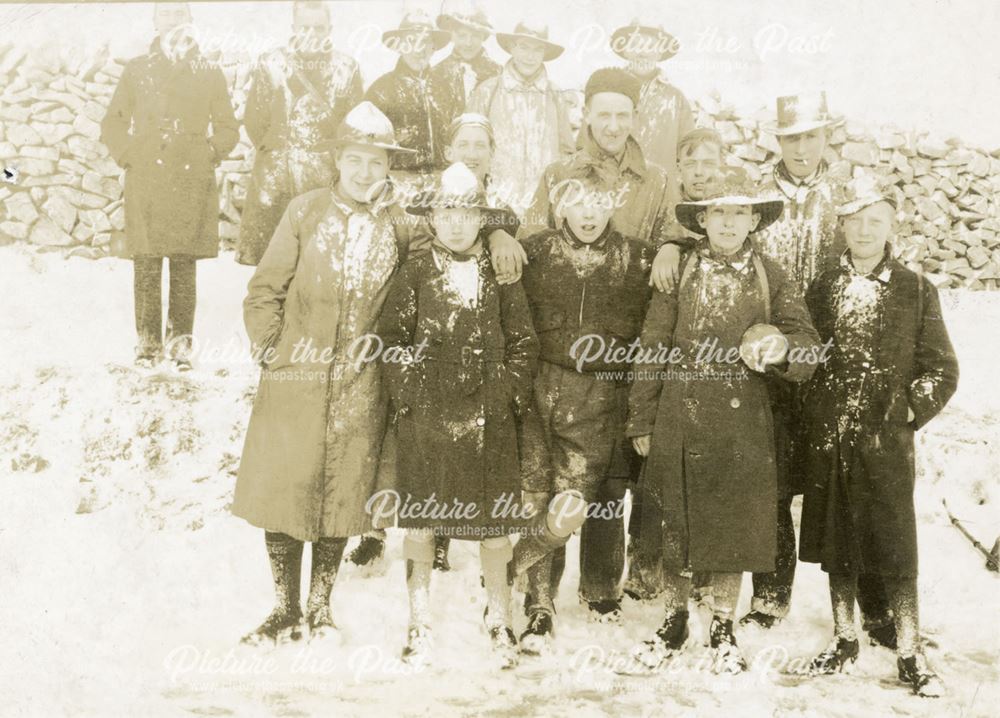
{"x": 480, "y": 358}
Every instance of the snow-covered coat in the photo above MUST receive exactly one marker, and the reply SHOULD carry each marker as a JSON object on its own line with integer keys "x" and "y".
{"x": 663, "y": 116}
{"x": 646, "y": 209}
{"x": 469, "y": 73}
{"x": 312, "y": 455}
{"x": 157, "y": 129}
{"x": 291, "y": 106}
{"x": 420, "y": 107}
{"x": 709, "y": 491}
{"x": 531, "y": 125}
{"x": 890, "y": 351}
{"x": 458, "y": 407}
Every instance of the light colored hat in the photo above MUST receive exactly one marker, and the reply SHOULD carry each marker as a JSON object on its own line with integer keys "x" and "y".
{"x": 524, "y": 31}
{"x": 621, "y": 41}
{"x": 365, "y": 125}
{"x": 456, "y": 188}
{"x": 730, "y": 189}
{"x": 801, "y": 113}
{"x": 415, "y": 23}
{"x": 471, "y": 119}
{"x": 463, "y": 13}
{"x": 861, "y": 192}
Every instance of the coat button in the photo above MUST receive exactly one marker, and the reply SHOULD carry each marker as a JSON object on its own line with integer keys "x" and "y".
{"x": 481, "y": 421}
{"x": 734, "y": 402}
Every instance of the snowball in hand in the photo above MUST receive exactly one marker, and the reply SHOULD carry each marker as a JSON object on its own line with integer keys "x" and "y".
{"x": 763, "y": 344}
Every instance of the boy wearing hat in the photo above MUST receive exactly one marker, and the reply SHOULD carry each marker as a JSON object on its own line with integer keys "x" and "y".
{"x": 663, "y": 113}
{"x": 420, "y": 101}
{"x": 468, "y": 61}
{"x": 298, "y": 96}
{"x": 804, "y": 242}
{"x": 891, "y": 369}
{"x": 311, "y": 458}
{"x": 459, "y": 400}
{"x": 699, "y": 413}
{"x": 588, "y": 287}
{"x": 528, "y": 113}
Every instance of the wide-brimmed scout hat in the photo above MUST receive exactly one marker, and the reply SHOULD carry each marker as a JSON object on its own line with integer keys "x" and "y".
{"x": 526, "y": 31}
{"x": 415, "y": 23}
{"x": 863, "y": 191}
{"x": 365, "y": 125}
{"x": 463, "y": 13}
{"x": 456, "y": 188}
{"x": 730, "y": 189}
{"x": 667, "y": 43}
{"x": 801, "y": 113}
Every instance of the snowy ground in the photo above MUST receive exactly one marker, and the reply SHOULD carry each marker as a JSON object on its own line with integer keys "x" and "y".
{"x": 126, "y": 584}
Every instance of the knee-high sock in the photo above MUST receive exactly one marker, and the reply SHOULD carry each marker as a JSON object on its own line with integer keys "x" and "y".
{"x": 676, "y": 591}
{"x": 326, "y": 556}
{"x": 549, "y": 530}
{"x": 495, "y": 554}
{"x": 902, "y": 594}
{"x": 418, "y": 550}
{"x": 725, "y": 590}
{"x": 285, "y": 555}
{"x": 843, "y": 594}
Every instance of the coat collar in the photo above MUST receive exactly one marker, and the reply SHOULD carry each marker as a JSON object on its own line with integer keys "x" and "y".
{"x": 881, "y": 273}
{"x": 790, "y": 186}
{"x": 740, "y": 261}
{"x": 348, "y": 206}
{"x": 512, "y": 80}
{"x": 404, "y": 70}
{"x": 632, "y": 160}
{"x": 480, "y": 62}
{"x": 156, "y": 51}
{"x": 600, "y": 243}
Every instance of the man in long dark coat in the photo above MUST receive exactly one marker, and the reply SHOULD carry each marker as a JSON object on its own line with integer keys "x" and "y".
{"x": 169, "y": 124}
{"x": 298, "y": 96}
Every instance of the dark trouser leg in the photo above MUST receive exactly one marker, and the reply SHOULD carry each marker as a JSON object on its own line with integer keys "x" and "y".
{"x": 874, "y": 603}
{"x": 602, "y": 545}
{"x": 772, "y": 592}
{"x": 843, "y": 593}
{"x": 326, "y": 556}
{"x": 285, "y": 555}
{"x": 146, "y": 284}
{"x": 180, "y": 314}
{"x": 541, "y": 588}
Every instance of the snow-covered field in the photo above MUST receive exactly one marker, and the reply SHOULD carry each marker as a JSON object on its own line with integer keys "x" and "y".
{"x": 125, "y": 583}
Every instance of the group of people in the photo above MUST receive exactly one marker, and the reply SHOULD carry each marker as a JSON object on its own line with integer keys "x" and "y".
{"x": 509, "y": 327}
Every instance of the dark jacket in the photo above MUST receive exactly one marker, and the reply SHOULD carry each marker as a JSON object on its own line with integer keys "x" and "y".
{"x": 293, "y": 104}
{"x": 457, "y": 408}
{"x": 858, "y": 512}
{"x": 420, "y": 106}
{"x": 468, "y": 74}
{"x": 576, "y": 290}
{"x": 169, "y": 125}
{"x": 709, "y": 494}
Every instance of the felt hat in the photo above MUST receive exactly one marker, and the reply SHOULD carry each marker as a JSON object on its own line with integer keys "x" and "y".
{"x": 861, "y": 192}
{"x": 613, "y": 79}
{"x": 365, "y": 125}
{"x": 463, "y": 13}
{"x": 415, "y": 23}
{"x": 527, "y": 31}
{"x": 801, "y": 113}
{"x": 730, "y": 189}
{"x": 456, "y": 188}
{"x": 638, "y": 36}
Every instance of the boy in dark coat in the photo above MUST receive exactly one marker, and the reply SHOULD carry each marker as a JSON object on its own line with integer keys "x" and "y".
{"x": 702, "y": 418}
{"x": 588, "y": 287}
{"x": 420, "y": 101}
{"x": 468, "y": 62}
{"x": 891, "y": 369}
{"x": 460, "y": 398}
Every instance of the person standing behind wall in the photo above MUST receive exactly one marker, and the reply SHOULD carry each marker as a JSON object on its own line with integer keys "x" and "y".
{"x": 157, "y": 129}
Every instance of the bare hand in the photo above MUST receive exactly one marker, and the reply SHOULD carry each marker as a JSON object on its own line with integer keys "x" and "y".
{"x": 508, "y": 257}
{"x": 665, "y": 268}
{"x": 641, "y": 444}
{"x": 910, "y": 416}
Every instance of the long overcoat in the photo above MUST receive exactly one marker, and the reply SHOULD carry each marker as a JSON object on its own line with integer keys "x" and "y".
{"x": 857, "y": 512}
{"x": 710, "y": 478}
{"x": 157, "y": 129}
{"x": 459, "y": 406}
{"x": 313, "y": 451}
